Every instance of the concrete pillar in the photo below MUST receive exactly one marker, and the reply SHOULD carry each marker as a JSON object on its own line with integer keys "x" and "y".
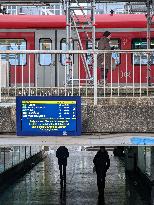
{"x": 130, "y": 159}
{"x": 141, "y": 163}
{"x": 152, "y": 163}
{"x": 152, "y": 174}
{"x": 152, "y": 195}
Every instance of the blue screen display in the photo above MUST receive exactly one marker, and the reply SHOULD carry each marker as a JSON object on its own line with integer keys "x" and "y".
{"x": 49, "y": 115}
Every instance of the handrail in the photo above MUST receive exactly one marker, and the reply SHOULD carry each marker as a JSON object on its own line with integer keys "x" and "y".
{"x": 146, "y": 51}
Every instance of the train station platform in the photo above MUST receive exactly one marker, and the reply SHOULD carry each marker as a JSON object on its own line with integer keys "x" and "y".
{"x": 95, "y": 139}
{"x": 41, "y": 186}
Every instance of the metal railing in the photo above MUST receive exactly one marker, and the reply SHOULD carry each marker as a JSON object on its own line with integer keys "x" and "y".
{"x": 132, "y": 76}
{"x": 11, "y": 156}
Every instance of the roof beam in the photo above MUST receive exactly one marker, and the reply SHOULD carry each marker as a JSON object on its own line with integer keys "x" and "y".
{"x": 59, "y": 1}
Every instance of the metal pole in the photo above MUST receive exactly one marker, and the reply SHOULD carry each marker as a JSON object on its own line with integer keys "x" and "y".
{"x": 68, "y": 46}
{"x": 30, "y": 151}
{"x": 95, "y": 79}
{"x": 148, "y": 41}
{"x": 19, "y": 153}
{"x": 93, "y": 24}
{"x": 4, "y": 159}
{"x": 12, "y": 157}
{"x": 0, "y": 77}
{"x": 93, "y": 48}
{"x": 25, "y": 152}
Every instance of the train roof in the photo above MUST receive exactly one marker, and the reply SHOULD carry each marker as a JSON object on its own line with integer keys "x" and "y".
{"x": 55, "y": 21}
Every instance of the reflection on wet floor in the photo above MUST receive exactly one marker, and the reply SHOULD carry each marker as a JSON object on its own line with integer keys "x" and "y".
{"x": 42, "y": 184}
{"x": 10, "y": 156}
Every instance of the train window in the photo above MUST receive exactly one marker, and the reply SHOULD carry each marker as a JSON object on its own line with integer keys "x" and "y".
{"x": 115, "y": 45}
{"x": 13, "y": 44}
{"x": 89, "y": 47}
{"x": 139, "y": 43}
{"x": 63, "y": 47}
{"x": 45, "y": 44}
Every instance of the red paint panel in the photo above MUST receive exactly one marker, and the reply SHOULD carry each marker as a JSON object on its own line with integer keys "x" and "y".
{"x": 121, "y": 72}
{"x": 55, "y": 21}
{"x": 32, "y": 21}
{"x": 29, "y": 37}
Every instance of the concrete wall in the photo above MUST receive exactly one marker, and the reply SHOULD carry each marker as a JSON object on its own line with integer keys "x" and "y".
{"x": 110, "y": 115}
{"x": 119, "y": 115}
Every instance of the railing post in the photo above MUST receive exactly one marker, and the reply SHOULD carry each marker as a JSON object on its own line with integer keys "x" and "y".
{"x": 0, "y": 77}
{"x": 30, "y": 151}
{"x": 12, "y": 157}
{"x": 25, "y": 152}
{"x": 19, "y": 153}
{"x": 95, "y": 79}
{"x": 4, "y": 160}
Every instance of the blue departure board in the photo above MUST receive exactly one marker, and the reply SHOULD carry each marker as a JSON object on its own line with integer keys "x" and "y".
{"x": 48, "y": 115}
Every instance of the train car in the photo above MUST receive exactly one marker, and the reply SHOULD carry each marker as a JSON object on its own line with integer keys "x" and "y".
{"x": 22, "y": 32}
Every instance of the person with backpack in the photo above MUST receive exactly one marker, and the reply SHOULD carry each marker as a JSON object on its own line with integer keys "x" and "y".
{"x": 62, "y": 154}
{"x": 102, "y": 163}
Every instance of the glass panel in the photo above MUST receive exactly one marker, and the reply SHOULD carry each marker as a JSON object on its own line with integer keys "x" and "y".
{"x": 115, "y": 45}
{"x": 63, "y": 47}
{"x": 57, "y": 6}
{"x": 141, "y": 159}
{"x": 89, "y": 47}
{"x": 148, "y": 161}
{"x": 57, "y": 12}
{"x": 45, "y": 44}
{"x": 13, "y": 44}
{"x": 13, "y": 12}
{"x": 142, "y": 44}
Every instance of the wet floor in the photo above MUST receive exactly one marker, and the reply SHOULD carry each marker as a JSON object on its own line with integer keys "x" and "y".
{"x": 11, "y": 156}
{"x": 42, "y": 185}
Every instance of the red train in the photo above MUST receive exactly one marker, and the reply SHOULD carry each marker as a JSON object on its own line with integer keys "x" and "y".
{"x": 22, "y": 32}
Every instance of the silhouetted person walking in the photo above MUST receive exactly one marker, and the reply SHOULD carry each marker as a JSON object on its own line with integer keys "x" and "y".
{"x": 102, "y": 164}
{"x": 62, "y": 154}
{"x": 104, "y": 60}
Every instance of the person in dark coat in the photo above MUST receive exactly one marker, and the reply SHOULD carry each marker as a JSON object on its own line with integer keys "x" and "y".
{"x": 102, "y": 63}
{"x": 62, "y": 154}
{"x": 102, "y": 164}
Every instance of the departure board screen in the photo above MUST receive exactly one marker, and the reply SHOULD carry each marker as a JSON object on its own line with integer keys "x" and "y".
{"x": 53, "y": 116}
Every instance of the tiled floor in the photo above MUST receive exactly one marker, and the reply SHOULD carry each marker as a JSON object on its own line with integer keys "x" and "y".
{"x": 42, "y": 185}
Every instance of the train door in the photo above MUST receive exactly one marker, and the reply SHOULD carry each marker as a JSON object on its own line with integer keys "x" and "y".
{"x": 61, "y": 60}
{"x": 45, "y": 63}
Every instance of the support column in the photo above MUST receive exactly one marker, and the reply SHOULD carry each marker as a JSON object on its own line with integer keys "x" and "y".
{"x": 152, "y": 195}
{"x": 148, "y": 4}
{"x": 93, "y": 48}
{"x": 152, "y": 163}
{"x": 68, "y": 41}
{"x": 152, "y": 175}
{"x": 130, "y": 159}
